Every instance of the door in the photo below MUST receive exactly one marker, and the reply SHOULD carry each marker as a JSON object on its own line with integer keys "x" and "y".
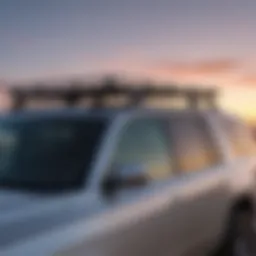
{"x": 141, "y": 164}
{"x": 167, "y": 180}
{"x": 152, "y": 219}
{"x": 201, "y": 164}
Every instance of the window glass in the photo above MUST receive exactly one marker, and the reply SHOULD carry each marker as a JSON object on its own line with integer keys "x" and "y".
{"x": 240, "y": 138}
{"x": 48, "y": 154}
{"x": 143, "y": 146}
{"x": 192, "y": 143}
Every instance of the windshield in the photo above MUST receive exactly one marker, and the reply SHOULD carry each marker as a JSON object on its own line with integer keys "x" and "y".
{"x": 48, "y": 154}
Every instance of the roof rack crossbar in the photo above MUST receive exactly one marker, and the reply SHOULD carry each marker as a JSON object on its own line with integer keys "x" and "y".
{"x": 136, "y": 95}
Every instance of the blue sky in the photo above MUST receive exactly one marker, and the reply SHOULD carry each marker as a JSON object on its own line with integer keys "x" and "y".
{"x": 184, "y": 41}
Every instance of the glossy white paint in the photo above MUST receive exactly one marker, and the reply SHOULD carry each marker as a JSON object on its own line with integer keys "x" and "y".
{"x": 171, "y": 216}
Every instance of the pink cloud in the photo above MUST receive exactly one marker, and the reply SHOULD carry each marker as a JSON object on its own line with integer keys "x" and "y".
{"x": 249, "y": 80}
{"x": 196, "y": 68}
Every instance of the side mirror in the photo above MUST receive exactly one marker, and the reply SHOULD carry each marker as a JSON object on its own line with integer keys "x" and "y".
{"x": 125, "y": 177}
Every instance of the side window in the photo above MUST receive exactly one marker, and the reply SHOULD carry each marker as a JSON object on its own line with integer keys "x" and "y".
{"x": 143, "y": 147}
{"x": 240, "y": 138}
{"x": 193, "y": 145}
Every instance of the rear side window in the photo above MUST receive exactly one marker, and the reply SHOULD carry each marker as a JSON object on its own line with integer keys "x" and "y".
{"x": 143, "y": 145}
{"x": 193, "y": 145}
{"x": 240, "y": 138}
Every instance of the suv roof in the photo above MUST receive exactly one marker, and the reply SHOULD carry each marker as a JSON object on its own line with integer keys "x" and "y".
{"x": 94, "y": 113}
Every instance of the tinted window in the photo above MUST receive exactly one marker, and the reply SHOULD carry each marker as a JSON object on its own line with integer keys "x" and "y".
{"x": 192, "y": 143}
{"x": 143, "y": 145}
{"x": 240, "y": 138}
{"x": 48, "y": 154}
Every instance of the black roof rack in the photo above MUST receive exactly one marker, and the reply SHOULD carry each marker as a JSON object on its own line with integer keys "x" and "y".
{"x": 136, "y": 95}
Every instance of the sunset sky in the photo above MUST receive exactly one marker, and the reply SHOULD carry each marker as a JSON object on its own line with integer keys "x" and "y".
{"x": 210, "y": 42}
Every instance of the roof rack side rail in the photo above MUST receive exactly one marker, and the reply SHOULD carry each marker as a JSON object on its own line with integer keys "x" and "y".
{"x": 136, "y": 95}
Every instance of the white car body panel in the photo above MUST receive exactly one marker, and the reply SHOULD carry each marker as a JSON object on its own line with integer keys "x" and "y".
{"x": 182, "y": 209}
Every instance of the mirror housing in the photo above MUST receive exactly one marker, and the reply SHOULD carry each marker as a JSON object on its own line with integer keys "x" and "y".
{"x": 125, "y": 177}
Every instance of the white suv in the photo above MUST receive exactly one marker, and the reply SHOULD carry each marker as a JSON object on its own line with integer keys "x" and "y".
{"x": 124, "y": 182}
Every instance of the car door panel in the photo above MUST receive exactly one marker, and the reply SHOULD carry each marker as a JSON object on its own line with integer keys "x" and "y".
{"x": 151, "y": 224}
{"x": 199, "y": 162}
{"x": 155, "y": 208}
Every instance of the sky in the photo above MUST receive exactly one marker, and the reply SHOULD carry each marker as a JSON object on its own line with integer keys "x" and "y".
{"x": 202, "y": 42}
